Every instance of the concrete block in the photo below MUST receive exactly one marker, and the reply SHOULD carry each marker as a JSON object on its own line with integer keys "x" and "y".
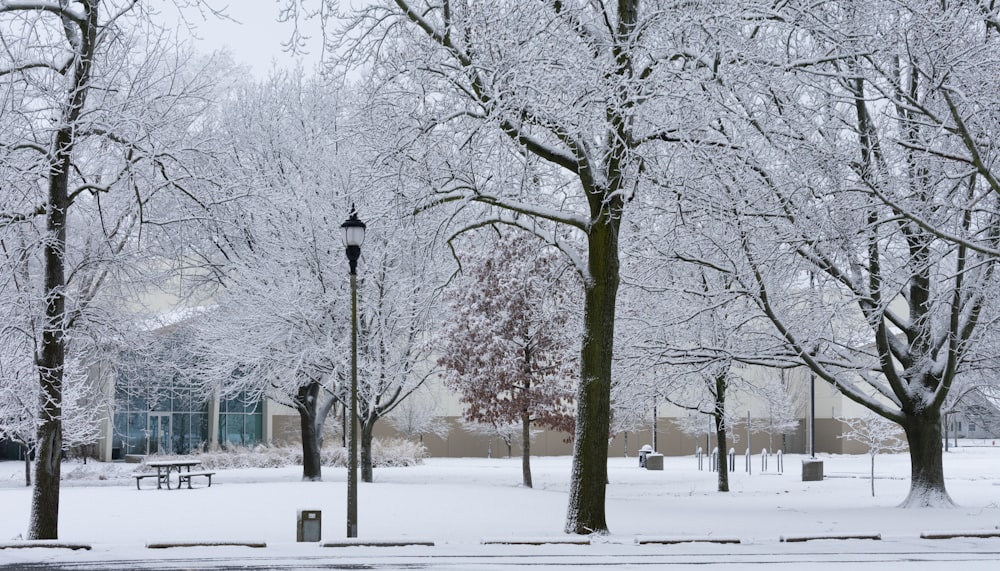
{"x": 812, "y": 470}
{"x": 654, "y": 461}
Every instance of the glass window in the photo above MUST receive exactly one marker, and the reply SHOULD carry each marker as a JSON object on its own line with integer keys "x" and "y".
{"x": 136, "y": 433}
{"x": 252, "y": 429}
{"x": 181, "y": 413}
{"x": 240, "y": 421}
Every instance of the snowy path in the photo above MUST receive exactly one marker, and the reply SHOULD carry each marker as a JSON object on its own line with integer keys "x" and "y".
{"x": 839, "y": 555}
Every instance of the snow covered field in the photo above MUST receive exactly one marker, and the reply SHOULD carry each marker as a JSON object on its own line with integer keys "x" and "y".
{"x": 461, "y": 503}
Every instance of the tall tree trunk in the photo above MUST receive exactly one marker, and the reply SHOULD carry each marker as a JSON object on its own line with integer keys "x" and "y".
{"x": 526, "y": 448}
{"x": 51, "y": 360}
{"x": 927, "y": 486}
{"x": 720, "y": 432}
{"x": 367, "y": 436}
{"x": 586, "y": 512}
{"x": 312, "y": 460}
{"x": 51, "y": 357}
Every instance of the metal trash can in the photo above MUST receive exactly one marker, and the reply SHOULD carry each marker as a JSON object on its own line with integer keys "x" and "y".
{"x": 643, "y": 452}
{"x": 309, "y": 526}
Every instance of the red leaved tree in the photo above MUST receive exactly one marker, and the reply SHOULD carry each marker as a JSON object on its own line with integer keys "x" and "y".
{"x": 508, "y": 342}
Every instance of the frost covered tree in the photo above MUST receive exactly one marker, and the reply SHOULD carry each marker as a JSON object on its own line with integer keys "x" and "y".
{"x": 98, "y": 121}
{"x": 877, "y": 434}
{"x": 630, "y": 409}
{"x": 279, "y": 322}
{"x": 783, "y": 403}
{"x": 280, "y": 255}
{"x": 861, "y": 214}
{"x": 509, "y": 433}
{"x": 418, "y": 416}
{"x": 398, "y": 300}
{"x": 506, "y": 345}
{"x": 18, "y": 400}
{"x": 692, "y": 344}
{"x": 714, "y": 382}
{"x": 697, "y": 330}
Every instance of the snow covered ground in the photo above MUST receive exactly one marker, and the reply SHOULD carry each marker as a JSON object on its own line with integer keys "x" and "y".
{"x": 471, "y": 509}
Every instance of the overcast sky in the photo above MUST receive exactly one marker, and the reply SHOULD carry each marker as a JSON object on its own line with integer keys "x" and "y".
{"x": 255, "y": 37}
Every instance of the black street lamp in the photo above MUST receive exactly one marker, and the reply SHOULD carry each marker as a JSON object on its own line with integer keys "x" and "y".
{"x": 353, "y": 235}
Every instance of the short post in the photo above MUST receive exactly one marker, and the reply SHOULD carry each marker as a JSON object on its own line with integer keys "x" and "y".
{"x": 781, "y": 462}
{"x": 732, "y": 458}
{"x": 748, "y": 442}
{"x": 812, "y": 470}
{"x": 654, "y": 461}
{"x": 699, "y": 454}
{"x": 715, "y": 459}
{"x": 763, "y": 460}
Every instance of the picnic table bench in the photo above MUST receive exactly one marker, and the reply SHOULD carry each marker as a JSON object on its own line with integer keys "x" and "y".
{"x": 186, "y": 477}
{"x": 165, "y": 467}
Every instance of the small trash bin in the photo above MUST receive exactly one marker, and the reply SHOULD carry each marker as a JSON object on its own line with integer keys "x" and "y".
{"x": 654, "y": 461}
{"x": 812, "y": 470}
{"x": 309, "y": 526}
{"x": 643, "y": 452}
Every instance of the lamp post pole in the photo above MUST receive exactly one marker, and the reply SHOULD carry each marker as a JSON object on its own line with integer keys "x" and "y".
{"x": 354, "y": 235}
{"x": 352, "y": 459}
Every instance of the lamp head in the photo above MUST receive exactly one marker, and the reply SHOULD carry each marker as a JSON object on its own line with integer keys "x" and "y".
{"x": 353, "y": 235}
{"x": 353, "y": 230}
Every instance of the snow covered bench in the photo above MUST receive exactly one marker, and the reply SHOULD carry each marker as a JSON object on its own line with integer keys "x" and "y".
{"x": 186, "y": 477}
{"x": 140, "y": 475}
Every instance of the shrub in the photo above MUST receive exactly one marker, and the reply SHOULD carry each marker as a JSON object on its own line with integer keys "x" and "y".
{"x": 392, "y": 452}
{"x": 397, "y": 452}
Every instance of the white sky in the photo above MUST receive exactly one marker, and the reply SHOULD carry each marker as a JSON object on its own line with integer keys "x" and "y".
{"x": 255, "y": 37}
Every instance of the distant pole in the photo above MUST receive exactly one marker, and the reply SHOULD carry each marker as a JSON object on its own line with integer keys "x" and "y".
{"x": 708, "y": 436}
{"x": 812, "y": 415}
{"x": 655, "y": 449}
{"x": 749, "y": 452}
{"x": 945, "y": 424}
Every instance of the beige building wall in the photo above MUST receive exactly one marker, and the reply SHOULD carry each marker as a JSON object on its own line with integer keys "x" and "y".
{"x": 670, "y": 440}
